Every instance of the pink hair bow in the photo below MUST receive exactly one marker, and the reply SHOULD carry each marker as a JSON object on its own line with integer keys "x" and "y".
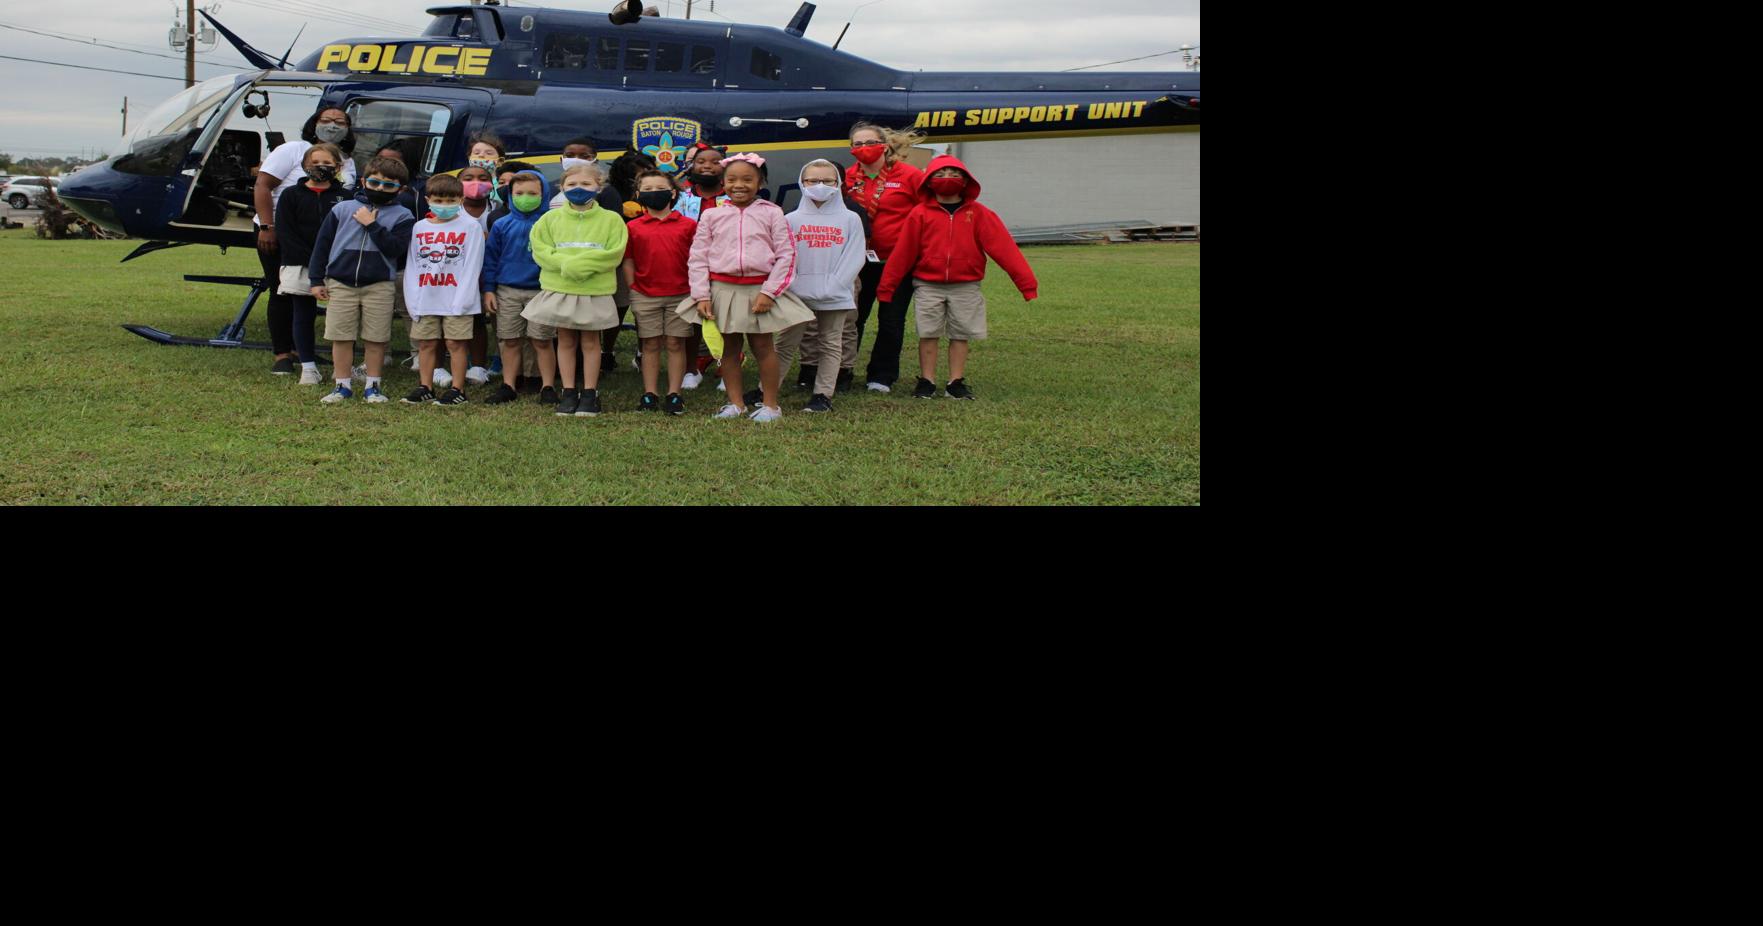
{"x": 747, "y": 156}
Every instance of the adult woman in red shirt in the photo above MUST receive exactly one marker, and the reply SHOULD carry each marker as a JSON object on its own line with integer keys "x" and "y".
{"x": 887, "y": 188}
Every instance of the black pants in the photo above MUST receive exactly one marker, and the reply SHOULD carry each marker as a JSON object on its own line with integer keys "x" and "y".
{"x": 305, "y": 318}
{"x": 890, "y": 333}
{"x": 281, "y": 308}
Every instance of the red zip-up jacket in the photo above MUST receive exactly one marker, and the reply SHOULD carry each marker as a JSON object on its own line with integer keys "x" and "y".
{"x": 937, "y": 247}
{"x": 888, "y": 198}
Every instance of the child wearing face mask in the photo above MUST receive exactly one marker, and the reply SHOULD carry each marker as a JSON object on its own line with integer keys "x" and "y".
{"x": 476, "y": 182}
{"x": 441, "y": 287}
{"x": 578, "y": 249}
{"x": 830, "y": 253}
{"x": 299, "y": 214}
{"x": 355, "y": 261}
{"x": 655, "y": 272}
{"x": 487, "y": 152}
{"x": 742, "y": 262}
{"x": 944, "y": 244}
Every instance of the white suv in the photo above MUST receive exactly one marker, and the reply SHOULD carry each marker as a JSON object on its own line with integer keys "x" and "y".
{"x": 25, "y": 192}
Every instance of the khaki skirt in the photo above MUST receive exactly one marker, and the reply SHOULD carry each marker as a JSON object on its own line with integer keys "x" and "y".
{"x": 732, "y": 305}
{"x": 293, "y": 281}
{"x": 577, "y": 313}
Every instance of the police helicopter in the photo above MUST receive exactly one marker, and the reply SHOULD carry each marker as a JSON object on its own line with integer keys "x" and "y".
{"x": 538, "y": 77}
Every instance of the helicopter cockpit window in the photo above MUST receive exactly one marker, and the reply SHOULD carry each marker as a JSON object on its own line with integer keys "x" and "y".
{"x": 607, "y": 54}
{"x": 703, "y": 59}
{"x": 443, "y": 25}
{"x": 636, "y": 55}
{"x": 766, "y": 65}
{"x": 670, "y": 57}
{"x": 167, "y": 133}
{"x": 566, "y": 51}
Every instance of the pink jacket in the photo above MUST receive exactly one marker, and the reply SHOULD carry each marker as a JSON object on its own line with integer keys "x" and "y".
{"x": 750, "y": 242}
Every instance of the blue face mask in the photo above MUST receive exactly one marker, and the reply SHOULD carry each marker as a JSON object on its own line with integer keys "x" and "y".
{"x": 445, "y": 212}
{"x": 580, "y": 195}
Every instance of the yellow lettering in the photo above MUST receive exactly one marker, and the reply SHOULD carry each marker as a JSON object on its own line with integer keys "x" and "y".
{"x": 948, "y": 119}
{"x": 922, "y": 122}
{"x": 1095, "y": 111}
{"x": 1022, "y": 113}
{"x": 1071, "y": 112}
{"x": 332, "y": 54}
{"x": 1038, "y": 114}
{"x": 386, "y": 62}
{"x": 972, "y": 117}
{"x": 474, "y": 62}
{"x": 1138, "y": 109}
{"x": 431, "y": 63}
{"x": 1115, "y": 111}
{"x": 364, "y": 58}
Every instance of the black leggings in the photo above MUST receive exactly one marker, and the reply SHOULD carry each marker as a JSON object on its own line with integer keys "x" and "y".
{"x": 305, "y": 319}
{"x": 884, "y": 357}
{"x": 281, "y": 308}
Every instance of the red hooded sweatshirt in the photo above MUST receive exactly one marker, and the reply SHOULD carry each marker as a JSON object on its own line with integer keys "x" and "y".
{"x": 937, "y": 247}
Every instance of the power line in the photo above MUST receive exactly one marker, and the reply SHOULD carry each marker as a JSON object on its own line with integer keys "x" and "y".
{"x": 85, "y": 68}
{"x": 96, "y": 43}
{"x": 315, "y": 11}
{"x": 1125, "y": 60}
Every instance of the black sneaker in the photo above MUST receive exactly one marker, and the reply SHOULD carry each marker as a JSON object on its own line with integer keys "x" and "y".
{"x": 675, "y": 404}
{"x": 650, "y": 402}
{"x": 571, "y": 399}
{"x": 504, "y": 394}
{"x": 957, "y": 389}
{"x": 589, "y": 406}
{"x": 283, "y": 366}
{"x": 421, "y": 395}
{"x": 926, "y": 389}
{"x": 548, "y": 396}
{"x": 846, "y": 382}
{"x": 753, "y": 397}
{"x": 452, "y": 396}
{"x": 805, "y": 376}
{"x": 819, "y": 403}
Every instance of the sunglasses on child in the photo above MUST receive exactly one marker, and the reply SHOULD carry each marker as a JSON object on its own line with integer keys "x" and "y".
{"x": 381, "y": 184}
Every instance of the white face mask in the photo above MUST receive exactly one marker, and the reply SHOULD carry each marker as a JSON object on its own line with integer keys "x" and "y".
{"x": 572, "y": 162}
{"x": 820, "y": 192}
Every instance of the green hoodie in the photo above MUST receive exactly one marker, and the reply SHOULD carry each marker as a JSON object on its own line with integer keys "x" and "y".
{"x": 579, "y": 252}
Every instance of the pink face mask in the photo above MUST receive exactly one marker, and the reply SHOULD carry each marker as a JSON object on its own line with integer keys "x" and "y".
{"x": 477, "y": 189}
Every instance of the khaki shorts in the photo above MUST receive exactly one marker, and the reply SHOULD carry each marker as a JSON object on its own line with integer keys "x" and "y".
{"x": 510, "y": 326}
{"x": 655, "y": 316}
{"x": 359, "y": 312}
{"x": 435, "y": 327}
{"x": 953, "y": 310}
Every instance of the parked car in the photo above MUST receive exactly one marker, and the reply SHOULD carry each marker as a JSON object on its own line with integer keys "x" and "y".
{"x": 25, "y": 192}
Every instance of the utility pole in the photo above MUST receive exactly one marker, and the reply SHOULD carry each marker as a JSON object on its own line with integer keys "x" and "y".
{"x": 125, "y": 117}
{"x": 190, "y": 46}
{"x": 688, "y": 9}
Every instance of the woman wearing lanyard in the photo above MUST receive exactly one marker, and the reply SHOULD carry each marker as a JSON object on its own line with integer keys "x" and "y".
{"x": 887, "y": 188}
{"x": 279, "y": 171}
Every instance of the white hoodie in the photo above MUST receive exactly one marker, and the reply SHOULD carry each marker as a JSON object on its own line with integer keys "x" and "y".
{"x": 829, "y": 252}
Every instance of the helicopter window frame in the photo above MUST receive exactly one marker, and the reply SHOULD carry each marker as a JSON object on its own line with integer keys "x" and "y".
{"x": 556, "y": 42}
{"x": 766, "y": 65}
{"x": 436, "y": 137}
{"x": 603, "y": 45}
{"x": 636, "y": 56}
{"x": 701, "y": 66}
{"x": 670, "y": 57}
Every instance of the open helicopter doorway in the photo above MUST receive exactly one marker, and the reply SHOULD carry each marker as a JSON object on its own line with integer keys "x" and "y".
{"x": 256, "y": 118}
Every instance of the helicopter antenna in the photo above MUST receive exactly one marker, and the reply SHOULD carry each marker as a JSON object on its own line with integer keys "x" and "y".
{"x": 290, "y": 50}
{"x": 853, "y": 18}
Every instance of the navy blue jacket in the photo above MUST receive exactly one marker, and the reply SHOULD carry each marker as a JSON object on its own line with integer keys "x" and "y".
{"x": 358, "y": 255}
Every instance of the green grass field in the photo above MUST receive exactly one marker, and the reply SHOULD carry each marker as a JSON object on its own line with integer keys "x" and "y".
{"x": 1090, "y": 395}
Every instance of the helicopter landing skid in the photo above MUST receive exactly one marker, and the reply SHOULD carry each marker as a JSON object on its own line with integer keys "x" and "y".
{"x": 233, "y": 335}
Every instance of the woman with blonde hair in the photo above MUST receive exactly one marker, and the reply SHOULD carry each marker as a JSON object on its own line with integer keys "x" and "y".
{"x": 887, "y": 188}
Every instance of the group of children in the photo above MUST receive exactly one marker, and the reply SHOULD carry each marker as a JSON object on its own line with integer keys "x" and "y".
{"x": 542, "y": 267}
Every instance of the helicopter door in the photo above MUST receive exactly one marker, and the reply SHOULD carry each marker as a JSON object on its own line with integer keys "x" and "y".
{"x": 197, "y": 164}
{"x": 431, "y": 133}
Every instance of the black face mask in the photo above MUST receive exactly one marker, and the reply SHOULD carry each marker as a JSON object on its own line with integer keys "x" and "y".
{"x": 381, "y": 197}
{"x": 323, "y": 174}
{"x": 655, "y": 199}
{"x": 707, "y": 181}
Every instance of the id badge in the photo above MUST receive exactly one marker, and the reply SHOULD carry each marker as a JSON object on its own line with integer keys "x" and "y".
{"x": 872, "y": 258}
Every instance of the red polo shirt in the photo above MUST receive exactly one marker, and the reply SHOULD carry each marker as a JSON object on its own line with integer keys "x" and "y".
{"x": 659, "y": 248}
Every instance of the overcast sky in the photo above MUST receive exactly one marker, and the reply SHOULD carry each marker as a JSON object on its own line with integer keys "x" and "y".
{"x": 57, "y": 111}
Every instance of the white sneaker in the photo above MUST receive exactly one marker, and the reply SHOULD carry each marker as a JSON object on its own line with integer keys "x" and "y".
{"x": 341, "y": 394}
{"x": 443, "y": 379}
{"x": 309, "y": 376}
{"x": 767, "y": 413}
{"x": 721, "y": 386}
{"x": 878, "y": 387}
{"x": 729, "y": 411}
{"x": 691, "y": 380}
{"x": 477, "y": 376}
